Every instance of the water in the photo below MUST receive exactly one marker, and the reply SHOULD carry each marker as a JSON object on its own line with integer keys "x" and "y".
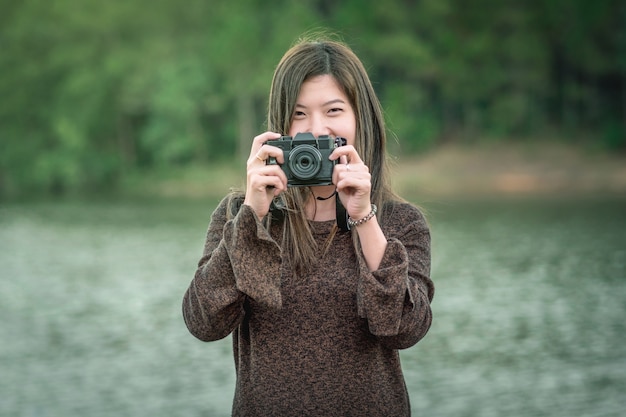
{"x": 529, "y": 311}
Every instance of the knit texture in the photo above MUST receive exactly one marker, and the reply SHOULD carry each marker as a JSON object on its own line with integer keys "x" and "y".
{"x": 323, "y": 344}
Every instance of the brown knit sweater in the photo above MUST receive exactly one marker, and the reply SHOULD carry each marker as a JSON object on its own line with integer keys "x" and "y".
{"x": 324, "y": 344}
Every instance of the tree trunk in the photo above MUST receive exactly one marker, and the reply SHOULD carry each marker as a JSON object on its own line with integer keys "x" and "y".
{"x": 126, "y": 144}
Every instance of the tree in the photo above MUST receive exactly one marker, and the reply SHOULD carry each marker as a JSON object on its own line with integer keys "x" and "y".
{"x": 92, "y": 91}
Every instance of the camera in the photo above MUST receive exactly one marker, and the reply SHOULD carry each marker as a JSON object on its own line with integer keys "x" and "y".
{"x": 306, "y": 158}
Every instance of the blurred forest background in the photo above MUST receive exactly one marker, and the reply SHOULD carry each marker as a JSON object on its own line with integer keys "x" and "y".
{"x": 96, "y": 92}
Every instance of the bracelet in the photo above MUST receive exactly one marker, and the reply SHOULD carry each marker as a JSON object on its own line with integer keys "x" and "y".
{"x": 354, "y": 223}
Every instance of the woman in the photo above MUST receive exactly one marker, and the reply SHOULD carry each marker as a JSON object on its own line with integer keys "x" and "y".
{"x": 317, "y": 314}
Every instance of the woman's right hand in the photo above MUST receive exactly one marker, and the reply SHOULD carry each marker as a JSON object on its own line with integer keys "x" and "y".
{"x": 264, "y": 182}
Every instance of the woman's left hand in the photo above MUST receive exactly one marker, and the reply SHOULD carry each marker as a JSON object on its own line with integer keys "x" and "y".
{"x": 353, "y": 181}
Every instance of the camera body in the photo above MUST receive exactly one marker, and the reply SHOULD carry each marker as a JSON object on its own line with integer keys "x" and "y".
{"x": 306, "y": 158}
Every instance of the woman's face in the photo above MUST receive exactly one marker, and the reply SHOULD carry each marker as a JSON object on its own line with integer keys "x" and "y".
{"x": 323, "y": 109}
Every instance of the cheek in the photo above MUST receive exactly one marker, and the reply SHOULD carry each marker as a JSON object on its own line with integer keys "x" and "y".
{"x": 296, "y": 126}
{"x": 351, "y": 135}
{"x": 293, "y": 129}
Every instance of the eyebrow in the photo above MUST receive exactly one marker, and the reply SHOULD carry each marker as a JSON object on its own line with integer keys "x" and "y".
{"x": 337, "y": 100}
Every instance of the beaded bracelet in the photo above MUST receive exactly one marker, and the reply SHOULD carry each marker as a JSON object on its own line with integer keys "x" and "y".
{"x": 354, "y": 223}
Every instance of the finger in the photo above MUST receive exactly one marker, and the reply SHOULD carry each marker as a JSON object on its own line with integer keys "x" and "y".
{"x": 271, "y": 175}
{"x": 267, "y": 151}
{"x": 354, "y": 182}
{"x": 259, "y": 191}
{"x": 259, "y": 140}
{"x": 348, "y": 152}
{"x": 276, "y": 184}
{"x": 341, "y": 169}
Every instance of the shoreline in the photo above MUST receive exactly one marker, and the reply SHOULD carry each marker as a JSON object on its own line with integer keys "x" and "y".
{"x": 506, "y": 170}
{"x": 450, "y": 171}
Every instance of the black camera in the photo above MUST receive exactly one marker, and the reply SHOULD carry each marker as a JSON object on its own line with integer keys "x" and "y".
{"x": 306, "y": 158}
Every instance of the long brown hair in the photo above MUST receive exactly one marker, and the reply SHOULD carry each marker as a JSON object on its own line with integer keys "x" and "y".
{"x": 309, "y": 58}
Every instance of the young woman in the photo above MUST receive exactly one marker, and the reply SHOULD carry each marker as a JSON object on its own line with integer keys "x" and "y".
{"x": 317, "y": 314}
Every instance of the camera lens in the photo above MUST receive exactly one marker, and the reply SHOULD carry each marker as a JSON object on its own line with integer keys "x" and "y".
{"x": 305, "y": 162}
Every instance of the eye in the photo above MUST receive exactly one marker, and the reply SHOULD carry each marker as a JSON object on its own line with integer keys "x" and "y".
{"x": 298, "y": 114}
{"x": 335, "y": 110}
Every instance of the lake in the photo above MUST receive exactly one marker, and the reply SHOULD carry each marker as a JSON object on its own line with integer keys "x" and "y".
{"x": 529, "y": 311}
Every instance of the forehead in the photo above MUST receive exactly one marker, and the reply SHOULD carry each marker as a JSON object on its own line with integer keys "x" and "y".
{"x": 321, "y": 85}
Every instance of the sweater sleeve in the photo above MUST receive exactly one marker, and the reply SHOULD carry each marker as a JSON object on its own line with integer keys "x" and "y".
{"x": 395, "y": 299}
{"x": 240, "y": 260}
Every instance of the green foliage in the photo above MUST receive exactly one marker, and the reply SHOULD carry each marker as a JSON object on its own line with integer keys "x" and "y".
{"x": 92, "y": 91}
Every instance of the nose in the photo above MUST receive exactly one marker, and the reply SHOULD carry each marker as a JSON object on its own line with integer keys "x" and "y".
{"x": 318, "y": 126}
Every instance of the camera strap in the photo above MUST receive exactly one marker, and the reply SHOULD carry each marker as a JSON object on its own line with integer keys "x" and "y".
{"x": 342, "y": 215}
{"x": 340, "y": 212}
{"x": 327, "y": 198}
{"x": 277, "y": 207}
